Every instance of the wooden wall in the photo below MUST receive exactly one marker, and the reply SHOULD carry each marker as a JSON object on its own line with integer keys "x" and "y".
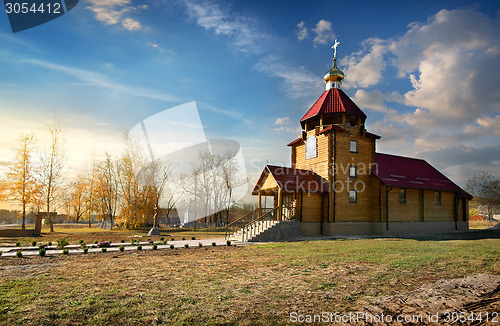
{"x": 318, "y": 164}
{"x": 311, "y": 207}
{"x": 416, "y": 211}
{"x": 269, "y": 183}
{"x": 364, "y": 161}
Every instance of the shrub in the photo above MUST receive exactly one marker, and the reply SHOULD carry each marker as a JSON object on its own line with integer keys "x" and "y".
{"x": 18, "y": 244}
{"x": 171, "y": 246}
{"x": 1, "y": 252}
{"x": 193, "y": 238}
{"x": 139, "y": 247}
{"x": 122, "y": 248}
{"x": 63, "y": 242}
{"x": 33, "y": 243}
{"x": 183, "y": 238}
{"x": 96, "y": 242}
{"x": 213, "y": 244}
{"x": 165, "y": 242}
{"x": 49, "y": 243}
{"x": 85, "y": 250}
{"x": 19, "y": 253}
{"x": 42, "y": 252}
{"x": 155, "y": 247}
{"x": 171, "y": 239}
{"x": 122, "y": 241}
{"x": 65, "y": 251}
{"x": 83, "y": 245}
{"x": 162, "y": 238}
{"x": 104, "y": 244}
{"x": 200, "y": 245}
{"x": 149, "y": 239}
{"x": 103, "y": 250}
{"x": 41, "y": 246}
{"x": 186, "y": 246}
{"x": 228, "y": 242}
{"x": 81, "y": 241}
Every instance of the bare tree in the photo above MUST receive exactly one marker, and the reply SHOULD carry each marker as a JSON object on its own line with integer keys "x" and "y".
{"x": 52, "y": 159}
{"x": 209, "y": 187}
{"x": 107, "y": 189}
{"x": 21, "y": 184}
{"x": 486, "y": 190}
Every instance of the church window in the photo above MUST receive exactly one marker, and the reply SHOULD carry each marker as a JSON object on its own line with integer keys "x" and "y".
{"x": 353, "y": 196}
{"x": 437, "y": 197}
{"x": 402, "y": 196}
{"x": 353, "y": 145}
{"x": 353, "y": 172}
{"x": 311, "y": 147}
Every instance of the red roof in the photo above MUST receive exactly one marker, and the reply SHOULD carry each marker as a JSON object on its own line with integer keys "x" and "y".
{"x": 295, "y": 141}
{"x": 291, "y": 179}
{"x": 408, "y": 172}
{"x": 332, "y": 127}
{"x": 333, "y": 100}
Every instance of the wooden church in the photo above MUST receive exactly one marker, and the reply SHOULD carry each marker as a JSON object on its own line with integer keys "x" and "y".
{"x": 339, "y": 185}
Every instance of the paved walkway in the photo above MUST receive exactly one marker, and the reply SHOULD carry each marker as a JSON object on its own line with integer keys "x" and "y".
{"x": 74, "y": 249}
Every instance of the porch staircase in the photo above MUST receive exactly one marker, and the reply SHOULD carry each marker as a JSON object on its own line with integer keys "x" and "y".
{"x": 254, "y": 231}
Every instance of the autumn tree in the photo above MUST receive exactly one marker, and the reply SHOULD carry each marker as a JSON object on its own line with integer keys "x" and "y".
{"x": 133, "y": 197}
{"x": 52, "y": 159}
{"x": 142, "y": 187}
{"x": 78, "y": 195}
{"x": 21, "y": 184}
{"x": 486, "y": 191}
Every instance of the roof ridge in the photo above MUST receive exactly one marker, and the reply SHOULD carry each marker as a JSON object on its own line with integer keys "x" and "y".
{"x": 407, "y": 157}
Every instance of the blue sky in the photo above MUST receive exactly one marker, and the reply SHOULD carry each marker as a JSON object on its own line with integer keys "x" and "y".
{"x": 425, "y": 73}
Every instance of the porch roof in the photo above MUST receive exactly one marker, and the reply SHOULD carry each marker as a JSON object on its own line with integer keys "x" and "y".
{"x": 290, "y": 179}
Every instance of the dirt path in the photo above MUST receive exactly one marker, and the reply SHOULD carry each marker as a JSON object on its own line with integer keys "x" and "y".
{"x": 474, "y": 300}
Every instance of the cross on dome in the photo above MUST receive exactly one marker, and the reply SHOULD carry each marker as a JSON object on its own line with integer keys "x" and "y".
{"x": 334, "y": 47}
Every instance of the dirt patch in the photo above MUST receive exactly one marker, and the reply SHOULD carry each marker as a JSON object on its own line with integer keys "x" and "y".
{"x": 442, "y": 301}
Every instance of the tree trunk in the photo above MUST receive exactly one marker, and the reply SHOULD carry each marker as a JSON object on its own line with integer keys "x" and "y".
{"x": 24, "y": 217}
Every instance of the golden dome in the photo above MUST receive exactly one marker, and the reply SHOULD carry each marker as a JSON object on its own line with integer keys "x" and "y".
{"x": 334, "y": 74}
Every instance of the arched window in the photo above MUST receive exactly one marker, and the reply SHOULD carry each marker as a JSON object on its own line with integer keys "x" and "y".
{"x": 311, "y": 147}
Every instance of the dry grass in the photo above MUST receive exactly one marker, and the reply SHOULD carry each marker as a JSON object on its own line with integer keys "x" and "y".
{"x": 244, "y": 285}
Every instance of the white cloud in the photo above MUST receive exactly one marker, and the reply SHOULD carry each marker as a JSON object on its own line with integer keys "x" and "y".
{"x": 281, "y": 121}
{"x": 365, "y": 69}
{"x": 111, "y": 12}
{"x": 131, "y": 24}
{"x": 297, "y": 82}
{"x": 451, "y": 108}
{"x": 324, "y": 32}
{"x": 94, "y": 79}
{"x": 245, "y": 33}
{"x": 302, "y": 32}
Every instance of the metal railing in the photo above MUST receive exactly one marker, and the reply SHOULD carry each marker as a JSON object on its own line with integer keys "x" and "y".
{"x": 258, "y": 225}
{"x": 242, "y": 222}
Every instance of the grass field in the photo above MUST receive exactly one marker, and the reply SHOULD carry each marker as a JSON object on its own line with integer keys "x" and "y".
{"x": 242, "y": 285}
